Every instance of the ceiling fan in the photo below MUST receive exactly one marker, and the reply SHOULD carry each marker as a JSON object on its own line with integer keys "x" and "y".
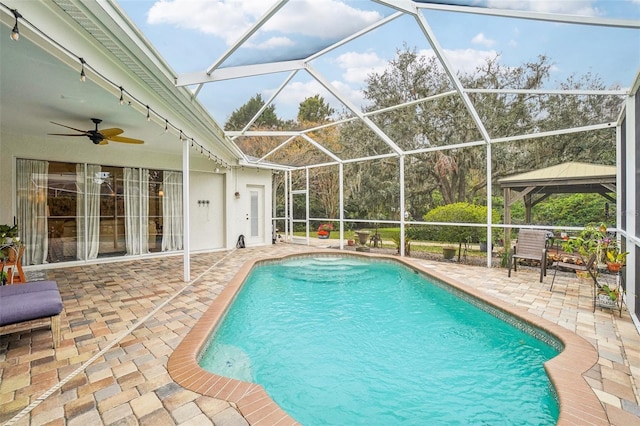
{"x": 99, "y": 137}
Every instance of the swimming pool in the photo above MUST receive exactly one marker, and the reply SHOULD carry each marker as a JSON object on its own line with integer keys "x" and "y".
{"x": 421, "y": 353}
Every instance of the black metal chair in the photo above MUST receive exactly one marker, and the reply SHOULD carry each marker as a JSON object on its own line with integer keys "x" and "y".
{"x": 588, "y": 266}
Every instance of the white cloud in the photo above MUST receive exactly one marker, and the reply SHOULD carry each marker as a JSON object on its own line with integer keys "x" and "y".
{"x": 464, "y": 60}
{"x": 273, "y": 42}
{"x": 331, "y": 18}
{"x": 225, "y": 19}
{"x": 288, "y": 101}
{"x": 357, "y": 66}
{"x": 229, "y": 19}
{"x": 572, "y": 7}
{"x": 295, "y": 92}
{"x": 481, "y": 39}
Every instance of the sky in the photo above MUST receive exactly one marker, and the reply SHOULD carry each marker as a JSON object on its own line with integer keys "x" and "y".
{"x": 192, "y": 34}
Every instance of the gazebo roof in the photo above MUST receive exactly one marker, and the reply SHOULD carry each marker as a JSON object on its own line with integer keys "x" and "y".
{"x": 568, "y": 177}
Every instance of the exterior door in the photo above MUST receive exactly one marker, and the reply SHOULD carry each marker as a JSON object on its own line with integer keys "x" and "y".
{"x": 255, "y": 217}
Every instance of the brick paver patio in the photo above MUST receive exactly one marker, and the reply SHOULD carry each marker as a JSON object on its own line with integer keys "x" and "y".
{"x": 123, "y": 320}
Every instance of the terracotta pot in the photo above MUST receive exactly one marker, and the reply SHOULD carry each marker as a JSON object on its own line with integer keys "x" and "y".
{"x": 614, "y": 267}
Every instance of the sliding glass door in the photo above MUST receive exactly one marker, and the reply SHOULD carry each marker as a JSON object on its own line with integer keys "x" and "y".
{"x": 69, "y": 211}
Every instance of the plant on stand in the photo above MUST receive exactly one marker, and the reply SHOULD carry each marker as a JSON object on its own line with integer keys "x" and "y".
{"x": 591, "y": 240}
{"x": 608, "y": 296}
{"x": 616, "y": 259}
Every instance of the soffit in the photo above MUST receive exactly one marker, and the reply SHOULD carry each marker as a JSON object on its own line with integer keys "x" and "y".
{"x": 128, "y": 45}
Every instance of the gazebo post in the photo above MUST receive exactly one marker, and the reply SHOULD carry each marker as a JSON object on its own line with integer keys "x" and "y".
{"x": 527, "y": 208}
{"x": 507, "y": 218}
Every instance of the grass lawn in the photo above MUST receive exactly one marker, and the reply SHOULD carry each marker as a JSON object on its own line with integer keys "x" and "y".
{"x": 387, "y": 235}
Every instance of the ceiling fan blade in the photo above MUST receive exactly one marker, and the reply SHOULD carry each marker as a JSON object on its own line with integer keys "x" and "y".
{"x": 103, "y": 142}
{"x": 72, "y": 128}
{"x": 107, "y": 133}
{"x": 67, "y": 134}
{"x": 124, "y": 140}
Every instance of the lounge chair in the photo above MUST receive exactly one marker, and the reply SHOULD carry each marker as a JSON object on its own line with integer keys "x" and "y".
{"x": 531, "y": 245}
{"x": 32, "y": 301}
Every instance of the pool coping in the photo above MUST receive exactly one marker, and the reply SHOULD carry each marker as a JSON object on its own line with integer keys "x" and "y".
{"x": 578, "y": 403}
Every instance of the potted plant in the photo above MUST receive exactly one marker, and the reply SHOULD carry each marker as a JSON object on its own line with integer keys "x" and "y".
{"x": 8, "y": 233}
{"x": 4, "y": 277}
{"x": 407, "y": 243}
{"x": 608, "y": 296}
{"x": 350, "y": 241}
{"x": 615, "y": 260}
{"x": 591, "y": 240}
{"x": 324, "y": 230}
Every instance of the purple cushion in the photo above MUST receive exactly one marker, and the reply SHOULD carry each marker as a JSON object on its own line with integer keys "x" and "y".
{"x": 31, "y": 287}
{"x": 26, "y": 306}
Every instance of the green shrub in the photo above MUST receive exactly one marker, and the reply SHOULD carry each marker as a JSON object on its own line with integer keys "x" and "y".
{"x": 418, "y": 232}
{"x": 462, "y": 213}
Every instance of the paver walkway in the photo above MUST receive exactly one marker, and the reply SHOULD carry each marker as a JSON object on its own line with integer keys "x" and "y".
{"x": 122, "y": 321}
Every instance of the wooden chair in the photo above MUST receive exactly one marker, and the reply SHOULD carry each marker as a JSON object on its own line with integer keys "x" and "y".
{"x": 15, "y": 274}
{"x": 531, "y": 245}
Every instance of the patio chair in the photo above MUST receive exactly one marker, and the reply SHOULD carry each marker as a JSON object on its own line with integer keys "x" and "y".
{"x": 588, "y": 266}
{"x": 531, "y": 245}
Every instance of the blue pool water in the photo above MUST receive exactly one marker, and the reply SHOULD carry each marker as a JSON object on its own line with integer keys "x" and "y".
{"x": 338, "y": 341}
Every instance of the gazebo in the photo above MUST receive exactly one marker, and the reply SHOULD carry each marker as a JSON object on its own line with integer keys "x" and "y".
{"x": 566, "y": 178}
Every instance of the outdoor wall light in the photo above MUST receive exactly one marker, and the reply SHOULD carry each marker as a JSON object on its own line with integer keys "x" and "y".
{"x": 83, "y": 77}
{"x": 15, "y": 32}
{"x": 121, "y": 96}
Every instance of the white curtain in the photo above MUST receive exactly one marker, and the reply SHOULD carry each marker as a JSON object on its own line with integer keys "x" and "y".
{"x": 136, "y": 208}
{"x": 89, "y": 187}
{"x": 32, "y": 183}
{"x": 172, "y": 237}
